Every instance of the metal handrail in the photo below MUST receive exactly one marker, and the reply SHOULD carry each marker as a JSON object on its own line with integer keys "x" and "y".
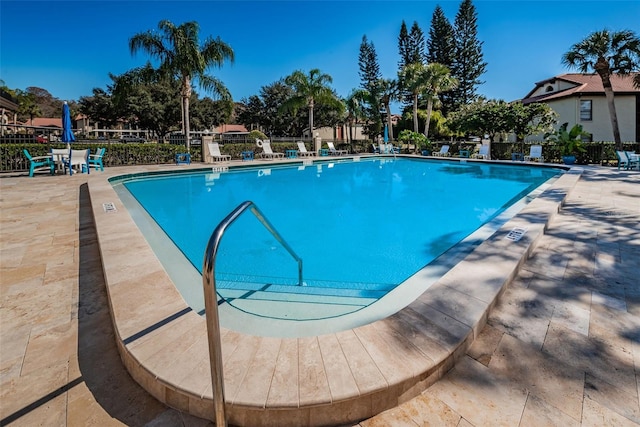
{"x": 211, "y": 301}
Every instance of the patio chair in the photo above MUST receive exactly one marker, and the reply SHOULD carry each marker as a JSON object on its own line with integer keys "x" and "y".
{"x": 39, "y": 163}
{"x": 79, "y": 158}
{"x": 302, "y": 150}
{"x": 634, "y": 159}
{"x": 214, "y": 154}
{"x": 333, "y": 151}
{"x": 483, "y": 153}
{"x": 444, "y": 152}
{"x": 376, "y": 150}
{"x": 535, "y": 153}
{"x": 388, "y": 148}
{"x": 95, "y": 160}
{"x": 626, "y": 159}
{"x": 267, "y": 152}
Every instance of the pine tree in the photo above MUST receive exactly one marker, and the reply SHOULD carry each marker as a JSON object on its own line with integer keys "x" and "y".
{"x": 403, "y": 46}
{"x": 369, "y": 72}
{"x": 441, "y": 50}
{"x": 368, "y": 64}
{"x": 411, "y": 49}
{"x": 416, "y": 44}
{"x": 468, "y": 64}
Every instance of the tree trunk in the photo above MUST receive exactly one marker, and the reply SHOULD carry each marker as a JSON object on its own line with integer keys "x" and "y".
{"x": 389, "y": 127}
{"x": 186, "y": 93}
{"x": 602, "y": 68}
{"x": 426, "y": 125}
{"x": 311, "y": 118}
{"x": 415, "y": 113}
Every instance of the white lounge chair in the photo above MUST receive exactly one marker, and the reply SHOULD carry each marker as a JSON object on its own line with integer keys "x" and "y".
{"x": 483, "y": 153}
{"x": 535, "y": 153}
{"x": 333, "y": 151}
{"x": 302, "y": 150}
{"x": 388, "y": 148}
{"x": 214, "y": 154}
{"x": 267, "y": 152}
{"x": 444, "y": 152}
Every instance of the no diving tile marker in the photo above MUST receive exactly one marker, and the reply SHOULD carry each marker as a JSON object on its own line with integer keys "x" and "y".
{"x": 516, "y": 234}
{"x": 109, "y": 207}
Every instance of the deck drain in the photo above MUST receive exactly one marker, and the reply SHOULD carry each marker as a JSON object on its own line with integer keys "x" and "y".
{"x": 516, "y": 234}
{"x": 109, "y": 207}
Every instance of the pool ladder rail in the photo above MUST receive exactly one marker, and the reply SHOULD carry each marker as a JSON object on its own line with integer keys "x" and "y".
{"x": 211, "y": 300}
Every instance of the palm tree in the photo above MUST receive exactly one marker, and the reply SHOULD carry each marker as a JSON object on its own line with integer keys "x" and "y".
{"x": 309, "y": 90}
{"x": 606, "y": 53}
{"x": 390, "y": 92}
{"x": 413, "y": 79}
{"x": 180, "y": 54}
{"x": 355, "y": 108}
{"x": 437, "y": 79}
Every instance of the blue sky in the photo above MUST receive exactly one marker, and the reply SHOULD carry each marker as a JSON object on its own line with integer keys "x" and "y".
{"x": 70, "y": 47}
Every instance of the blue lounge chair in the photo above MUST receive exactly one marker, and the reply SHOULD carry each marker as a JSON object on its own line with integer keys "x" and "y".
{"x": 95, "y": 160}
{"x": 39, "y": 163}
{"x": 625, "y": 160}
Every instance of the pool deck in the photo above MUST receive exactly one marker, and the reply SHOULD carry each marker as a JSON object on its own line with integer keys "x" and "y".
{"x": 560, "y": 347}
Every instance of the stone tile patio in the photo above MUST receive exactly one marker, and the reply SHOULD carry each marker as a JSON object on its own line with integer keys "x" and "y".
{"x": 562, "y": 347}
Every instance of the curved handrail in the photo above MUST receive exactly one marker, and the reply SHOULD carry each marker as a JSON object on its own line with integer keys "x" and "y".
{"x": 211, "y": 301}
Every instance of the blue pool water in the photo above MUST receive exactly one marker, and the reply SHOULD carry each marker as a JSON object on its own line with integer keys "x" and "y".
{"x": 363, "y": 226}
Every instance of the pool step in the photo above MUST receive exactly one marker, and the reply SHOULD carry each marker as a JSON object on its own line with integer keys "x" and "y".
{"x": 355, "y": 290}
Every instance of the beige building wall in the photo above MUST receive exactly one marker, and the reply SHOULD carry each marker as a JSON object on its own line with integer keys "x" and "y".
{"x": 568, "y": 110}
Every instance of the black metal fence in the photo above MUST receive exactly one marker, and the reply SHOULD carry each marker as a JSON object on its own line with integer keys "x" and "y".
{"x": 12, "y": 158}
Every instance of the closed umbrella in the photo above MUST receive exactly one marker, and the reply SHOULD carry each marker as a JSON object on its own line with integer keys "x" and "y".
{"x": 67, "y": 132}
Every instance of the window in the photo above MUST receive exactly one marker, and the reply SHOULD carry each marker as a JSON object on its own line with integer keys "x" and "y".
{"x": 585, "y": 110}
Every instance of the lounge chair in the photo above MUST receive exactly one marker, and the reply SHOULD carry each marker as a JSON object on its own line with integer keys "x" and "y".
{"x": 483, "y": 153}
{"x": 388, "y": 148}
{"x": 79, "y": 158}
{"x": 302, "y": 150}
{"x": 444, "y": 152}
{"x": 267, "y": 152}
{"x": 214, "y": 154}
{"x": 39, "y": 163}
{"x": 376, "y": 150}
{"x": 634, "y": 159}
{"x": 333, "y": 151}
{"x": 627, "y": 159}
{"x": 535, "y": 153}
{"x": 95, "y": 160}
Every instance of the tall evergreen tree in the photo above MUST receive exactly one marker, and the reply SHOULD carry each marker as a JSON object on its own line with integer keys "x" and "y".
{"x": 403, "y": 46}
{"x": 441, "y": 49}
{"x": 369, "y": 78}
{"x": 416, "y": 44}
{"x": 468, "y": 64}
{"x": 411, "y": 49}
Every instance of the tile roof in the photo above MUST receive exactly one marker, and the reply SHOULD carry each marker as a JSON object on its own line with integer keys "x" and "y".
{"x": 585, "y": 84}
{"x": 45, "y": 122}
{"x": 230, "y": 128}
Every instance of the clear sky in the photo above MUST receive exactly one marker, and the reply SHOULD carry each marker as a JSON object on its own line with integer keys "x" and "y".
{"x": 70, "y": 47}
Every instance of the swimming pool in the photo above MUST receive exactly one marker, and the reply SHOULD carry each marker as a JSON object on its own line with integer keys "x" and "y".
{"x": 361, "y": 227}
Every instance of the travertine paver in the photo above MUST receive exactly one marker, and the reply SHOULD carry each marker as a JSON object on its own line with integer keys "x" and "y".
{"x": 562, "y": 347}
{"x": 587, "y": 263}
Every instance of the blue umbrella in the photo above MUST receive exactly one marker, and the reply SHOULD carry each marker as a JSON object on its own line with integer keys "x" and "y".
{"x": 386, "y": 134}
{"x": 67, "y": 132}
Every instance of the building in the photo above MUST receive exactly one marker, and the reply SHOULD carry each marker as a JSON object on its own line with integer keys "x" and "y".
{"x": 580, "y": 99}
